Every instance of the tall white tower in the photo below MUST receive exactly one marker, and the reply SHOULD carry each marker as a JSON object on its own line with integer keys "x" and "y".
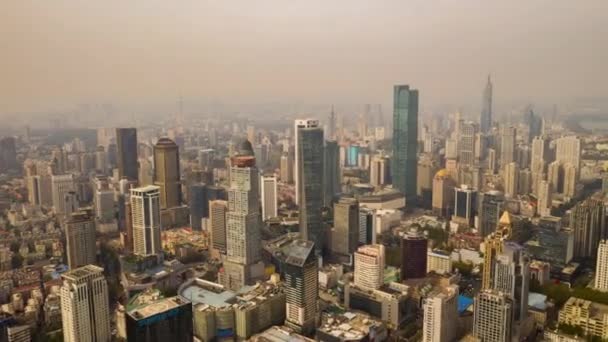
{"x": 145, "y": 209}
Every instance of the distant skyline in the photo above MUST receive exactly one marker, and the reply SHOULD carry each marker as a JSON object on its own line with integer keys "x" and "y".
{"x": 58, "y": 54}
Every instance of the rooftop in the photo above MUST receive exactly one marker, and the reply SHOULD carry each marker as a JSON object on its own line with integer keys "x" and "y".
{"x": 157, "y": 307}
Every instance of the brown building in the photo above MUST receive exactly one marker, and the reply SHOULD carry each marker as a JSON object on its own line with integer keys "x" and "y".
{"x": 166, "y": 173}
{"x": 413, "y": 255}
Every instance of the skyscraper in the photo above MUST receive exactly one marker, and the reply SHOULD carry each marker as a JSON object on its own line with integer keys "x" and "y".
{"x": 8, "y": 154}
{"x": 443, "y": 194}
{"x": 465, "y": 199}
{"x": 166, "y": 173}
{"x": 512, "y": 277}
{"x": 199, "y": 205}
{"x": 331, "y": 177}
{"x": 309, "y": 180}
{"x": 511, "y": 179}
{"x": 491, "y": 206}
{"x": 485, "y": 120}
{"x": 466, "y": 143}
{"x": 494, "y": 245}
{"x": 345, "y": 234}
{"x": 544, "y": 198}
{"x": 540, "y": 154}
{"x": 79, "y": 230}
{"x": 440, "y": 310}
{"x": 287, "y": 168}
{"x": 413, "y": 255}
{"x": 331, "y": 125}
{"x": 61, "y": 185}
{"x": 217, "y": 218}
{"x": 568, "y": 150}
{"x": 126, "y": 144}
{"x": 145, "y": 211}
{"x": 242, "y": 265}
{"x": 269, "y": 197}
{"x": 588, "y": 222}
{"x": 369, "y": 266}
{"x": 508, "y": 137}
{"x": 601, "y": 267}
{"x": 379, "y": 171}
{"x": 493, "y": 316}
{"x": 85, "y": 311}
{"x": 301, "y": 287}
{"x": 405, "y": 141}
{"x": 298, "y": 125}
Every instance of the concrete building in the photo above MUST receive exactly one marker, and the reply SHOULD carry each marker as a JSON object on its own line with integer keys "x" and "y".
{"x": 413, "y": 255}
{"x": 369, "y": 266}
{"x": 345, "y": 233}
{"x": 217, "y": 219}
{"x": 588, "y": 223}
{"x": 508, "y": 137}
{"x": 492, "y": 320}
{"x": 301, "y": 287}
{"x": 464, "y": 205}
{"x": 443, "y": 194}
{"x": 601, "y": 267}
{"x": 379, "y": 171}
{"x": 269, "y": 197}
{"x": 545, "y": 204}
{"x": 591, "y": 317}
{"x": 440, "y": 315}
{"x": 511, "y": 179}
{"x": 61, "y": 186}
{"x": 439, "y": 262}
{"x": 85, "y": 310}
{"x": 145, "y": 213}
{"x": 167, "y": 173}
{"x": 491, "y": 207}
{"x": 81, "y": 246}
{"x": 243, "y": 260}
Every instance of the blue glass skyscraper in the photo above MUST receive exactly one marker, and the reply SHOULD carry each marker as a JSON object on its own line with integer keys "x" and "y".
{"x": 405, "y": 140}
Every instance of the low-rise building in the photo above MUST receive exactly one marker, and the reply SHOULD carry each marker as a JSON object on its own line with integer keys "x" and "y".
{"x": 590, "y": 316}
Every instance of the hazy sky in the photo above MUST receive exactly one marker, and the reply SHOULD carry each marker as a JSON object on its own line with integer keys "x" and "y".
{"x": 58, "y": 53}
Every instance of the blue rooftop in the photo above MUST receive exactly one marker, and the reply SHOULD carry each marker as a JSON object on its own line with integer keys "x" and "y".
{"x": 464, "y": 303}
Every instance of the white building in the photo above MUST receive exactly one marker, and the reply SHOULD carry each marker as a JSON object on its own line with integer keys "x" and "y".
{"x": 492, "y": 320}
{"x": 511, "y": 179}
{"x": 61, "y": 186}
{"x": 440, "y": 263}
{"x": 601, "y": 268}
{"x": 81, "y": 247}
{"x": 440, "y": 312}
{"x": 369, "y": 266}
{"x": 269, "y": 197}
{"x": 85, "y": 311}
{"x": 145, "y": 211}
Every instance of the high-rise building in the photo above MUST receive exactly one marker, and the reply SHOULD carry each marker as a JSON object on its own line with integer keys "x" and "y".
{"x": 301, "y": 287}
{"x": 512, "y": 277}
{"x": 570, "y": 180}
{"x": 309, "y": 180}
{"x": 555, "y": 176}
{"x": 167, "y": 319}
{"x": 331, "y": 177}
{"x": 493, "y": 316}
{"x": 440, "y": 314}
{"x": 588, "y": 222}
{"x": 568, "y": 150}
{"x": 8, "y": 154}
{"x": 466, "y": 143}
{"x": 217, "y": 219}
{"x": 269, "y": 197}
{"x": 544, "y": 199}
{"x": 491, "y": 206}
{"x": 413, "y": 255}
{"x": 508, "y": 138}
{"x": 601, "y": 267}
{"x": 443, "y": 194}
{"x": 199, "y": 205}
{"x": 126, "y": 144}
{"x": 379, "y": 171}
{"x": 524, "y": 186}
{"x": 79, "y": 230}
{"x": 485, "y": 120}
{"x": 243, "y": 265}
{"x": 18, "y": 333}
{"x": 367, "y": 234}
{"x": 464, "y": 205}
{"x": 145, "y": 211}
{"x": 511, "y": 179}
{"x": 345, "y": 233}
{"x": 405, "y": 141}
{"x": 494, "y": 244}
{"x": 166, "y": 173}
{"x": 287, "y": 167}
{"x": 103, "y": 198}
{"x": 540, "y": 155}
{"x": 61, "y": 185}
{"x": 369, "y": 266}
{"x": 534, "y": 123}
{"x": 85, "y": 311}
{"x": 298, "y": 125}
